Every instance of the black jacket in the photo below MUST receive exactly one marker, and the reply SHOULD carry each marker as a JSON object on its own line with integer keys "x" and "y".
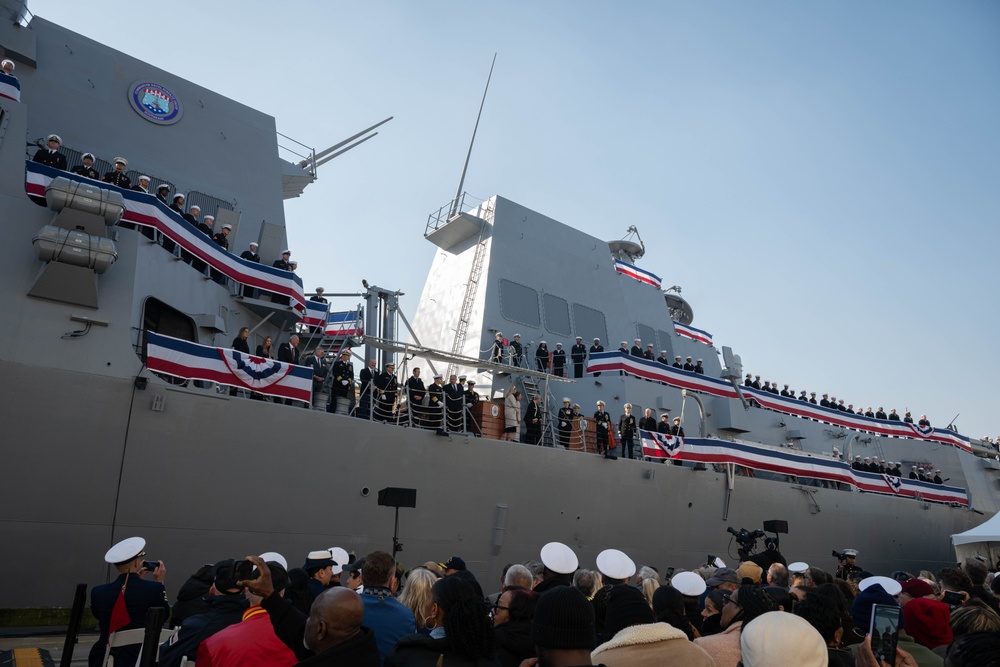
{"x": 54, "y": 159}
{"x": 358, "y": 651}
{"x": 513, "y": 643}
{"x": 417, "y": 650}
{"x": 288, "y": 354}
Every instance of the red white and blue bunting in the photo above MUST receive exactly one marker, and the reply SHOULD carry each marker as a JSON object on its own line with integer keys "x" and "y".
{"x": 344, "y": 324}
{"x": 758, "y": 457}
{"x": 688, "y": 331}
{"x": 605, "y": 362}
{"x": 315, "y": 315}
{"x": 148, "y": 211}
{"x": 635, "y": 272}
{"x": 191, "y": 361}
{"x": 10, "y": 87}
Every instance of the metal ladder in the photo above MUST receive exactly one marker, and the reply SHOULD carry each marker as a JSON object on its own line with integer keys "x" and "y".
{"x": 471, "y": 287}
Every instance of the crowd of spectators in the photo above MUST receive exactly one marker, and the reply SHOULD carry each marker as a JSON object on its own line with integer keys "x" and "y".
{"x": 550, "y": 611}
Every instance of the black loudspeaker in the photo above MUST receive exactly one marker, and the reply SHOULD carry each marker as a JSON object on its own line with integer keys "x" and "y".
{"x": 394, "y": 496}
{"x": 772, "y": 526}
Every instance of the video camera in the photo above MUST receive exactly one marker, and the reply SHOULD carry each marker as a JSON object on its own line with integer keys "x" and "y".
{"x": 747, "y": 541}
{"x": 839, "y": 556}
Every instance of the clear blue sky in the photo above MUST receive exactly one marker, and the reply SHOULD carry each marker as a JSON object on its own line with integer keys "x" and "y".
{"x": 821, "y": 178}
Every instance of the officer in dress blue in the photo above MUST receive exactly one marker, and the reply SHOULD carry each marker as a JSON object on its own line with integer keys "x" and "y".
{"x": 137, "y": 595}
{"x": 558, "y": 360}
{"x": 516, "y": 351}
{"x": 51, "y": 156}
{"x": 596, "y": 348}
{"x": 602, "y": 420}
{"x": 87, "y": 168}
{"x": 578, "y": 353}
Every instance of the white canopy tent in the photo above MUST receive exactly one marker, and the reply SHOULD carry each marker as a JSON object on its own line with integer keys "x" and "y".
{"x": 983, "y": 540}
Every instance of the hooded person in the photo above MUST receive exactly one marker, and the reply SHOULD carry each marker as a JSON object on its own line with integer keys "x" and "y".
{"x": 635, "y": 639}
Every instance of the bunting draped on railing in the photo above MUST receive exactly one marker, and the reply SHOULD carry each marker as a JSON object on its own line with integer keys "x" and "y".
{"x": 191, "y": 361}
{"x": 148, "y": 211}
{"x": 641, "y": 275}
{"x": 344, "y": 324}
{"x": 605, "y": 362}
{"x": 10, "y": 87}
{"x": 315, "y": 315}
{"x": 689, "y": 331}
{"x": 758, "y": 457}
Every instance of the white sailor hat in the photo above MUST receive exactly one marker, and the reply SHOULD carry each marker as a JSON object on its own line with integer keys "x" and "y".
{"x": 663, "y": 351}
{"x": 857, "y": 456}
{"x": 600, "y": 402}
{"x": 286, "y": 252}
{"x": 937, "y": 470}
{"x": 253, "y": 244}
{"x": 54, "y": 136}
{"x": 615, "y": 564}
{"x": 812, "y": 393}
{"x": 566, "y": 400}
{"x": 436, "y": 377}
{"x": 579, "y": 337}
{"x": 212, "y": 217}
{"x": 543, "y": 343}
{"x": 913, "y": 467}
{"x": 638, "y": 340}
{"x": 689, "y": 358}
{"x": 194, "y": 207}
{"x": 850, "y": 552}
{"x": 689, "y": 583}
{"x": 785, "y": 384}
{"x": 890, "y": 586}
{"x": 340, "y": 558}
{"x": 121, "y": 160}
{"x": 597, "y": 340}
{"x": 128, "y": 549}
{"x": 624, "y": 342}
{"x": 162, "y": 186}
{"x": 559, "y": 558}
{"x": 90, "y": 155}
{"x": 703, "y": 360}
{"x": 558, "y": 344}
{"x": 517, "y": 335}
{"x": 229, "y": 227}
{"x": 274, "y": 557}
{"x": 144, "y": 178}
{"x": 179, "y": 195}
{"x": 7, "y": 61}
{"x": 798, "y": 567}
{"x": 499, "y": 334}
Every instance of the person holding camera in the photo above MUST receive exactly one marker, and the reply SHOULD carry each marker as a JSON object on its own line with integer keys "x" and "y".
{"x": 122, "y": 604}
{"x": 847, "y": 566}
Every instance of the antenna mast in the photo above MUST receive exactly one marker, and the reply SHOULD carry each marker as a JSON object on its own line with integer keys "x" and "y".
{"x": 461, "y": 181}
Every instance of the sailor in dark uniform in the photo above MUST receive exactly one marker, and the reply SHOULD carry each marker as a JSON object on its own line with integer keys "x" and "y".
{"x": 893, "y": 416}
{"x": 786, "y": 393}
{"x": 542, "y": 357}
{"x": 565, "y": 422}
{"x": 913, "y": 472}
{"x": 220, "y": 238}
{"x": 756, "y": 382}
{"x": 578, "y": 353}
{"x": 177, "y": 203}
{"x": 117, "y": 176}
{"x": 812, "y": 397}
{"x": 162, "y": 191}
{"x": 251, "y": 253}
{"x": 937, "y": 477}
{"x": 282, "y": 262}
{"x": 623, "y": 349}
{"x": 677, "y": 364}
{"x": 856, "y": 464}
{"x": 636, "y": 350}
{"x": 533, "y": 418}
{"x": 342, "y": 383}
{"x": 880, "y": 414}
{"x": 318, "y": 296}
{"x": 648, "y": 354}
{"x": 386, "y": 386}
{"x": 766, "y": 387}
{"x": 688, "y": 366}
{"x": 825, "y": 402}
{"x": 516, "y": 351}
{"x": 908, "y": 418}
{"x": 602, "y": 427}
{"x": 924, "y": 421}
{"x": 558, "y": 360}
{"x": 663, "y": 358}
{"x": 415, "y": 393}
{"x": 51, "y": 156}
{"x": 595, "y": 348}
{"x": 139, "y": 596}
{"x": 205, "y": 227}
{"x": 699, "y": 368}
{"x": 803, "y": 397}
{"x": 367, "y": 377}
{"x": 677, "y": 429}
{"x": 496, "y": 351}
{"x": 664, "y": 425}
{"x": 143, "y": 185}
{"x": 192, "y": 214}
{"x": 471, "y": 398}
{"x": 87, "y": 168}
{"x": 435, "y": 403}
{"x": 627, "y": 429}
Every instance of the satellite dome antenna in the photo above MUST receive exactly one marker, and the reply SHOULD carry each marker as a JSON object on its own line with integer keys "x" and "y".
{"x": 461, "y": 182}
{"x": 627, "y": 250}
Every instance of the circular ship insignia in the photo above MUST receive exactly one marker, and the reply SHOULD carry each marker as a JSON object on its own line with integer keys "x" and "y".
{"x": 154, "y": 103}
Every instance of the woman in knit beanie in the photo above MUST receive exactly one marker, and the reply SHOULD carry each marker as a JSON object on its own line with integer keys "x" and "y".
{"x": 927, "y": 622}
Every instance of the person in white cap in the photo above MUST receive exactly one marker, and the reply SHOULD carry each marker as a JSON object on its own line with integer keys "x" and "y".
{"x": 319, "y": 566}
{"x": 143, "y": 185}
{"x": 627, "y": 430}
{"x": 162, "y": 190}
{"x": 559, "y": 563}
{"x": 616, "y": 569}
{"x": 496, "y": 351}
{"x": 7, "y": 65}
{"x": 602, "y": 421}
{"x": 250, "y": 254}
{"x": 434, "y": 417}
{"x": 221, "y": 239}
{"x": 117, "y": 175}
{"x": 516, "y": 351}
{"x": 51, "y": 157}
{"x": 193, "y": 212}
{"x": 636, "y": 350}
{"x": 122, "y": 604}
{"x": 564, "y": 422}
{"x": 595, "y": 349}
{"x": 205, "y": 226}
{"x": 700, "y": 369}
{"x": 534, "y": 416}
{"x": 87, "y": 168}
{"x": 282, "y": 262}
{"x": 578, "y": 354}
{"x": 558, "y": 360}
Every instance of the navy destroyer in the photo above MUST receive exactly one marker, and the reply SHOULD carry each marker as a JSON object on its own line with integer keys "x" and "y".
{"x": 98, "y": 447}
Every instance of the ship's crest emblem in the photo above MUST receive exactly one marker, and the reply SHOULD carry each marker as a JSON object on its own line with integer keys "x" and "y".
{"x": 154, "y": 103}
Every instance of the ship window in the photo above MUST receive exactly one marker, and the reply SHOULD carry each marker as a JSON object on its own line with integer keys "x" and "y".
{"x": 556, "y": 314}
{"x": 590, "y": 324}
{"x": 163, "y": 319}
{"x": 519, "y": 304}
{"x": 648, "y": 335}
{"x": 666, "y": 343}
